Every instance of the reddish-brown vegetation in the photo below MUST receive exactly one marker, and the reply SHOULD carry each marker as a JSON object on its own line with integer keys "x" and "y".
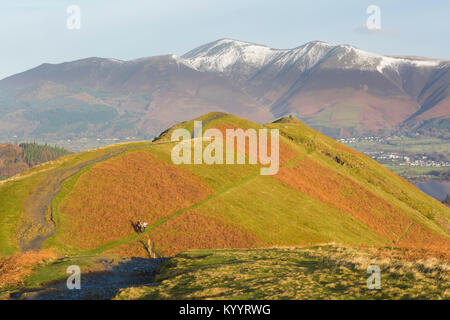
{"x": 10, "y": 162}
{"x": 418, "y": 237}
{"x": 383, "y": 218}
{"x": 15, "y": 269}
{"x": 133, "y": 249}
{"x": 15, "y": 159}
{"x": 106, "y": 200}
{"x": 193, "y": 230}
{"x": 347, "y": 149}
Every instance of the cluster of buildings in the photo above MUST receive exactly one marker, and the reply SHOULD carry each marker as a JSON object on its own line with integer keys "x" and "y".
{"x": 424, "y": 162}
{"x": 374, "y": 139}
{"x": 406, "y": 160}
{"x": 397, "y": 158}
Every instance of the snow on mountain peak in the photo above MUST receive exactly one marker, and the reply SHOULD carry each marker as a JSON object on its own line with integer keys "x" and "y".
{"x": 305, "y": 56}
{"x": 223, "y": 54}
{"x": 350, "y": 57}
{"x": 228, "y": 55}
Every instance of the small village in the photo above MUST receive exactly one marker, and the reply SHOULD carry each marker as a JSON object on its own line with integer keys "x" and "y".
{"x": 406, "y": 160}
{"x": 401, "y": 158}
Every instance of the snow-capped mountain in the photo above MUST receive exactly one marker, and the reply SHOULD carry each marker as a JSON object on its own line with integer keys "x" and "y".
{"x": 226, "y": 54}
{"x": 286, "y": 79}
{"x": 338, "y": 89}
{"x": 223, "y": 55}
{"x": 229, "y": 56}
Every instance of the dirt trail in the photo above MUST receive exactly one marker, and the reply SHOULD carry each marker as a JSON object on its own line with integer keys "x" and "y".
{"x": 112, "y": 275}
{"x": 37, "y": 223}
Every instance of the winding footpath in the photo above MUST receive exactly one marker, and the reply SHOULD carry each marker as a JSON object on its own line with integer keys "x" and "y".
{"x": 38, "y": 224}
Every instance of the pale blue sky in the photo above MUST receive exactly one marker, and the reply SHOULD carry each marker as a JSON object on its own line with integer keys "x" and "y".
{"x": 33, "y": 32}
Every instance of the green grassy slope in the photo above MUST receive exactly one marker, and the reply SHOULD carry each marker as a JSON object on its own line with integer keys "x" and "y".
{"x": 239, "y": 207}
{"x": 16, "y": 193}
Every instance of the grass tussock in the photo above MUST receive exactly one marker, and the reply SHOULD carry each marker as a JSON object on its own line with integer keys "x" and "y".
{"x": 321, "y": 272}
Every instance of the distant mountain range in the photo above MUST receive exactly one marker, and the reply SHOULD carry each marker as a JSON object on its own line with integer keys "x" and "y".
{"x": 337, "y": 89}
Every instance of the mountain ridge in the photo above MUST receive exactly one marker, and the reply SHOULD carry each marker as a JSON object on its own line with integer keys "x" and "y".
{"x": 338, "y": 89}
{"x": 323, "y": 192}
{"x": 310, "y": 45}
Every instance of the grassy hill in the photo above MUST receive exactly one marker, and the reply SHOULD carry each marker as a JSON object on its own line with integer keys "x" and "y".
{"x": 83, "y": 207}
{"x": 324, "y": 192}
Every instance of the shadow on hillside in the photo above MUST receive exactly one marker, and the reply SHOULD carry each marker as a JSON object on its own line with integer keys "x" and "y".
{"x": 99, "y": 285}
{"x": 135, "y": 227}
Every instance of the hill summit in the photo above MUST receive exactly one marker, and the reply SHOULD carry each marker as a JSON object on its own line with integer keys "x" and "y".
{"x": 324, "y": 192}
